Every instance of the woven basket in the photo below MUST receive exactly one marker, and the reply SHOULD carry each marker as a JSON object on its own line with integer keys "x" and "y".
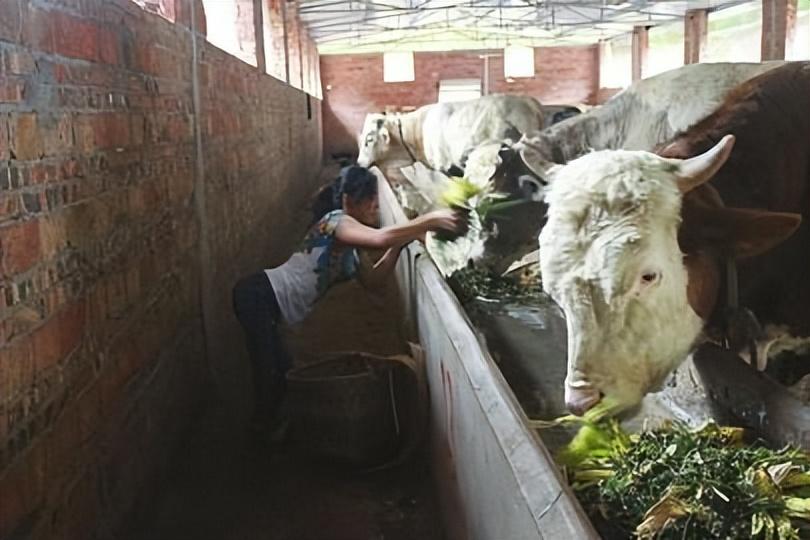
{"x": 344, "y": 408}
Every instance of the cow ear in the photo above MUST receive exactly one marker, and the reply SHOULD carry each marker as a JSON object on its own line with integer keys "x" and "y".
{"x": 676, "y": 149}
{"x": 539, "y": 166}
{"x": 384, "y": 135}
{"x": 743, "y": 233}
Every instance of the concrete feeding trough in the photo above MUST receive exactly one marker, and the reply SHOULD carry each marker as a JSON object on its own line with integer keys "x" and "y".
{"x": 495, "y": 476}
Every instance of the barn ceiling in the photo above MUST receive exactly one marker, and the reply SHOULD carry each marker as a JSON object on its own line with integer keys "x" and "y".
{"x": 340, "y": 26}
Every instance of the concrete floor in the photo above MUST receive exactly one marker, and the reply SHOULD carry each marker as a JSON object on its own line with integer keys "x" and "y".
{"x": 227, "y": 487}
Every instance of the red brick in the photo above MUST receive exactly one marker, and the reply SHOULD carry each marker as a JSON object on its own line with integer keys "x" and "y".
{"x": 84, "y": 134}
{"x": 67, "y": 443}
{"x": 108, "y": 46}
{"x": 37, "y": 28}
{"x": 75, "y": 37}
{"x": 4, "y": 144}
{"x": 19, "y": 62}
{"x": 147, "y": 58}
{"x": 137, "y": 129}
{"x": 71, "y": 168}
{"x": 19, "y": 247}
{"x": 10, "y": 23}
{"x": 5, "y": 432}
{"x": 22, "y": 489}
{"x": 12, "y": 90}
{"x": 121, "y": 366}
{"x": 26, "y": 140}
{"x": 116, "y": 294}
{"x": 9, "y": 207}
{"x": 16, "y": 365}
{"x": 60, "y": 335}
{"x": 111, "y": 130}
{"x": 57, "y": 133}
{"x": 51, "y": 235}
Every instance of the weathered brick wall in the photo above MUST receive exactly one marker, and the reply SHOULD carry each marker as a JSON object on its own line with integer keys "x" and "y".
{"x": 105, "y": 211}
{"x": 563, "y": 75}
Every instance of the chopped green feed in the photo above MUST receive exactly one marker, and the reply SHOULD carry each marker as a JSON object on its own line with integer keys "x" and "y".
{"x": 470, "y": 283}
{"x": 679, "y": 483}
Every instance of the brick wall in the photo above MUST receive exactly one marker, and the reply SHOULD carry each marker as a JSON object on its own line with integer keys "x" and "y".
{"x": 564, "y": 75}
{"x": 106, "y": 208}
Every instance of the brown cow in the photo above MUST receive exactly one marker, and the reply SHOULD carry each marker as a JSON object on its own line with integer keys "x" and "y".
{"x": 635, "y": 246}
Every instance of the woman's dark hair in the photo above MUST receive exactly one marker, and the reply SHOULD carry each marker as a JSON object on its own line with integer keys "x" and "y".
{"x": 358, "y": 183}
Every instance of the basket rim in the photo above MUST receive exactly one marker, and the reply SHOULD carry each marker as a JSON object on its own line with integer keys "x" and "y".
{"x": 297, "y": 374}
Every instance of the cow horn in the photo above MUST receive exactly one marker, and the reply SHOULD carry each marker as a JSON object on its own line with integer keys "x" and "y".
{"x": 700, "y": 169}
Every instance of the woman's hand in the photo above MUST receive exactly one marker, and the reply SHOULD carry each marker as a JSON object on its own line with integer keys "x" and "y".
{"x": 456, "y": 221}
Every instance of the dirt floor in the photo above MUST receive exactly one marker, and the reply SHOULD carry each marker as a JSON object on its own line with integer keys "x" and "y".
{"x": 227, "y": 486}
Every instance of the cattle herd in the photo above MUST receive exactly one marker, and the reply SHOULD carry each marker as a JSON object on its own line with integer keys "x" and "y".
{"x": 670, "y": 215}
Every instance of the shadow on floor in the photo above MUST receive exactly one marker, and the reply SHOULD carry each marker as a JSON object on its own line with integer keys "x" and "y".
{"x": 227, "y": 487}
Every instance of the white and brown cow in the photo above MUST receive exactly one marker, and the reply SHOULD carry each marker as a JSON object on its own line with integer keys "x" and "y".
{"x": 636, "y": 242}
{"x": 441, "y": 134}
{"x": 646, "y": 114}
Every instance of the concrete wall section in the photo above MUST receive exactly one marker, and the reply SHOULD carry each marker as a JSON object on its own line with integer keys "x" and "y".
{"x": 353, "y": 84}
{"x": 496, "y": 479}
{"x": 125, "y": 203}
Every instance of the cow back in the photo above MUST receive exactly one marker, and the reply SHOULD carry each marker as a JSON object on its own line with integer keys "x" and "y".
{"x": 769, "y": 169}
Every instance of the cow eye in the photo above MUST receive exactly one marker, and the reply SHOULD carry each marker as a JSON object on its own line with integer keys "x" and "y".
{"x": 649, "y": 277}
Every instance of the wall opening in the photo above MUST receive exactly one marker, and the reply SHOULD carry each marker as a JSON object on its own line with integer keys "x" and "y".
{"x": 164, "y": 8}
{"x": 398, "y": 67}
{"x": 616, "y": 67}
{"x": 459, "y": 90}
{"x": 665, "y": 51}
{"x": 735, "y": 34}
{"x": 800, "y": 48}
{"x": 231, "y": 28}
{"x": 518, "y": 61}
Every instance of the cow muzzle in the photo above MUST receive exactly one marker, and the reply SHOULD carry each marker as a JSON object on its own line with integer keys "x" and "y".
{"x": 578, "y": 400}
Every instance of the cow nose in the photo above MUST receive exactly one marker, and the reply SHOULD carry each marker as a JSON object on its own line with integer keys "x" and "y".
{"x": 579, "y": 400}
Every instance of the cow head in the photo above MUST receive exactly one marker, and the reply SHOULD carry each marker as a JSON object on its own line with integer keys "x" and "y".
{"x": 526, "y": 167}
{"x": 374, "y": 141}
{"x": 610, "y": 257}
{"x": 505, "y": 163}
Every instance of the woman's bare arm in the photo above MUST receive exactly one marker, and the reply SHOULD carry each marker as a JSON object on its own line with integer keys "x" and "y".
{"x": 353, "y": 233}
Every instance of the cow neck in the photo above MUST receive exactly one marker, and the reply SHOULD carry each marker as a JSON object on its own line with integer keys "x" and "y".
{"x": 402, "y": 140}
{"x": 708, "y": 264}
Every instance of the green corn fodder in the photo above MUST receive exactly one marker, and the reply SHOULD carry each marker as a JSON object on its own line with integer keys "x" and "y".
{"x": 459, "y": 191}
{"x": 474, "y": 282}
{"x": 679, "y": 483}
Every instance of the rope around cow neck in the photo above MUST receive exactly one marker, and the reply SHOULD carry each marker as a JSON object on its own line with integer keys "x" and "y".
{"x": 402, "y": 138}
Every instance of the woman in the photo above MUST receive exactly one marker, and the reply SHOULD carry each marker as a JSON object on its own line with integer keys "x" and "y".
{"x": 327, "y": 256}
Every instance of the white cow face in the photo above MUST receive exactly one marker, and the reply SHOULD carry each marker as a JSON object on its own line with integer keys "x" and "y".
{"x": 374, "y": 141}
{"x": 610, "y": 258}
